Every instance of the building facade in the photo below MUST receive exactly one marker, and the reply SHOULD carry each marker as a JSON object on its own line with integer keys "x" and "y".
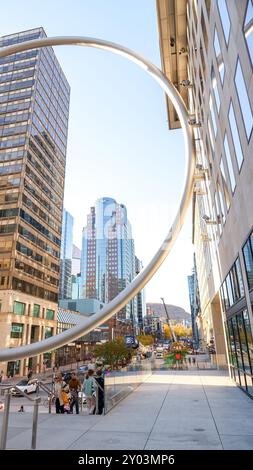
{"x": 216, "y": 47}
{"x": 140, "y": 298}
{"x": 194, "y": 303}
{"x": 34, "y": 109}
{"x": 76, "y": 273}
{"x": 65, "y": 289}
{"x": 108, "y": 262}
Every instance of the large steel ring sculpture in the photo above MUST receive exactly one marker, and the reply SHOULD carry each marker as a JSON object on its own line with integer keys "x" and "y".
{"x": 146, "y": 274}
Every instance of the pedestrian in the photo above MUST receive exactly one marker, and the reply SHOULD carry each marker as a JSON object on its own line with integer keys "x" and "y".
{"x": 1, "y": 376}
{"x": 59, "y": 387}
{"x": 30, "y": 373}
{"x": 100, "y": 390}
{"x": 189, "y": 360}
{"x": 89, "y": 387}
{"x": 194, "y": 360}
{"x": 21, "y": 409}
{"x": 74, "y": 388}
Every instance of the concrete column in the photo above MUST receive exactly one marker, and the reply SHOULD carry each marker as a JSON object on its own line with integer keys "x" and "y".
{"x": 219, "y": 333}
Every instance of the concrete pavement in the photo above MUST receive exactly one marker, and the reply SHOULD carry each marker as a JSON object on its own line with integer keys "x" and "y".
{"x": 171, "y": 410}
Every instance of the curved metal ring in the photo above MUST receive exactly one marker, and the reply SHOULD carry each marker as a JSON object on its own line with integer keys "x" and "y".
{"x": 146, "y": 274}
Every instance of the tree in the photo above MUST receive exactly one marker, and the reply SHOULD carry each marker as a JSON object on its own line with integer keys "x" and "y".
{"x": 113, "y": 352}
{"x": 145, "y": 340}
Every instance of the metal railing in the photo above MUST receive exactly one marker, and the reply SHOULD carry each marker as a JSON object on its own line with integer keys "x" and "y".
{"x": 7, "y": 399}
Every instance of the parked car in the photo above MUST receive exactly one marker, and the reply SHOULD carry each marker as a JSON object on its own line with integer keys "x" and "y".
{"x": 25, "y": 386}
{"x": 159, "y": 355}
{"x": 83, "y": 368}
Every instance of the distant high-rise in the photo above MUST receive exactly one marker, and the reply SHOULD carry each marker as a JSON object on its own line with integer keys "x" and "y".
{"x": 65, "y": 291}
{"x": 141, "y": 305}
{"x": 108, "y": 262}
{"x": 34, "y": 110}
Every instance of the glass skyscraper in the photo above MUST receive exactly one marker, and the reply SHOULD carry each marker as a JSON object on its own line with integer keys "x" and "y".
{"x": 108, "y": 260}
{"x": 65, "y": 291}
{"x": 34, "y": 110}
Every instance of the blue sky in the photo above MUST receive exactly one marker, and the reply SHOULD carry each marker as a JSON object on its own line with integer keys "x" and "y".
{"x": 119, "y": 144}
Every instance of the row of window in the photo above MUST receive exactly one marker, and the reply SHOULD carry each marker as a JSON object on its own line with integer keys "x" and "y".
{"x": 17, "y": 65}
{"x": 30, "y": 220}
{"x": 51, "y": 181}
{"x": 36, "y": 273}
{"x": 32, "y": 289}
{"x": 19, "y": 56}
{"x": 12, "y": 154}
{"x": 55, "y": 169}
{"x": 35, "y": 179}
{"x": 51, "y": 209}
{"x": 13, "y": 118}
{"x": 17, "y": 330}
{"x": 240, "y": 348}
{"x": 15, "y": 106}
{"x": 248, "y": 260}
{"x": 15, "y": 96}
{"x": 43, "y": 215}
{"x": 232, "y": 288}
{"x": 16, "y": 86}
{"x": 24, "y": 250}
{"x": 20, "y": 308}
{"x": 18, "y": 141}
{"x": 37, "y": 241}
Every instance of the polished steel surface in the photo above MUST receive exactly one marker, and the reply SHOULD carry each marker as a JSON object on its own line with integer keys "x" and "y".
{"x": 146, "y": 274}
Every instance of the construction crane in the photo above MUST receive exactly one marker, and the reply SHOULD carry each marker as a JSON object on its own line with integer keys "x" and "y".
{"x": 168, "y": 319}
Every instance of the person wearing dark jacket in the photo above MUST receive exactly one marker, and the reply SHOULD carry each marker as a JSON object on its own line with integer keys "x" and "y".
{"x": 100, "y": 390}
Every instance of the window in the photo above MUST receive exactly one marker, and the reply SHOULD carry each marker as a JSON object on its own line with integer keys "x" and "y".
{"x": 215, "y": 90}
{"x": 49, "y": 314}
{"x": 248, "y": 29}
{"x": 224, "y": 184}
{"x": 239, "y": 277}
{"x": 243, "y": 99}
{"x": 248, "y": 336}
{"x": 248, "y": 260}
{"x": 19, "y": 308}
{"x": 229, "y": 163}
{"x": 219, "y": 57}
{"x": 229, "y": 290}
{"x": 224, "y": 16}
{"x": 235, "y": 136}
{"x": 48, "y": 332}
{"x": 36, "y": 310}
{"x": 243, "y": 342}
{"x": 213, "y": 115}
{"x": 16, "y": 330}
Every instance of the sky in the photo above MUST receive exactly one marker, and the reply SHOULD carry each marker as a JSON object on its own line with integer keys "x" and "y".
{"x": 119, "y": 144}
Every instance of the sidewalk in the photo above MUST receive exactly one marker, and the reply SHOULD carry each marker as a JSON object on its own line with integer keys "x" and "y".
{"x": 172, "y": 410}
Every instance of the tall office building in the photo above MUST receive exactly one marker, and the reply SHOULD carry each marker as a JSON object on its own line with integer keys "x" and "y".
{"x": 207, "y": 51}
{"x": 194, "y": 302}
{"x": 65, "y": 290}
{"x": 76, "y": 273}
{"x": 34, "y": 109}
{"x": 108, "y": 263}
{"x": 140, "y": 298}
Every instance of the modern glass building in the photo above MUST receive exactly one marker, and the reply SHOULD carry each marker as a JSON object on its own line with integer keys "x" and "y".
{"x": 108, "y": 262}
{"x": 141, "y": 304}
{"x": 34, "y": 110}
{"x": 65, "y": 289}
{"x": 194, "y": 302}
{"x": 207, "y": 51}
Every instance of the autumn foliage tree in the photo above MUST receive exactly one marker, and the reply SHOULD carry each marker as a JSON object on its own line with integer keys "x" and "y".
{"x": 145, "y": 340}
{"x": 113, "y": 352}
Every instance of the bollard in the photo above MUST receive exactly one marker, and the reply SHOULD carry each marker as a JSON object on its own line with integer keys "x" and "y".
{"x": 35, "y": 422}
{"x": 5, "y": 420}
